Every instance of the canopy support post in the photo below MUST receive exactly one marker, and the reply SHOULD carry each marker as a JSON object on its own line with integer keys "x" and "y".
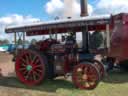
{"x": 23, "y": 39}
{"x": 15, "y": 38}
{"x": 85, "y": 39}
{"x": 108, "y": 37}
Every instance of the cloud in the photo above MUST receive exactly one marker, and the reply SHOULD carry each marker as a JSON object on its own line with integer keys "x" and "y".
{"x": 58, "y": 7}
{"x": 54, "y": 6}
{"x": 111, "y": 6}
{"x": 14, "y": 19}
{"x": 17, "y": 19}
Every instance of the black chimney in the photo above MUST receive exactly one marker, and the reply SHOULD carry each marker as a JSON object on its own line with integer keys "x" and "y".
{"x": 84, "y": 8}
{"x": 85, "y": 34}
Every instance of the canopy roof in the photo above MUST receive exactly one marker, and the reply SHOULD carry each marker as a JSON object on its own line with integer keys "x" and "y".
{"x": 61, "y": 26}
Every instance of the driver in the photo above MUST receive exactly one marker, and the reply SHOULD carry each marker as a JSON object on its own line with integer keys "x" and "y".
{"x": 70, "y": 44}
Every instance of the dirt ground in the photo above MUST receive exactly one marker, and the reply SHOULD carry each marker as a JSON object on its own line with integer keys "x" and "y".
{"x": 9, "y": 85}
{"x": 6, "y": 64}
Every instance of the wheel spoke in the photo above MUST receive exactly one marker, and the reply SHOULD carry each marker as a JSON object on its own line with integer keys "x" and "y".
{"x": 27, "y": 59}
{"x": 85, "y": 70}
{"x": 24, "y": 61}
{"x": 27, "y": 76}
{"x": 85, "y": 77}
{"x": 34, "y": 58}
{"x": 82, "y": 82}
{"x": 36, "y": 61}
{"x": 79, "y": 75}
{"x": 37, "y": 66}
{"x": 33, "y": 76}
{"x": 90, "y": 71}
{"x": 92, "y": 78}
{"x": 36, "y": 73}
{"x": 79, "y": 69}
{"x": 91, "y": 83}
{"x": 23, "y": 64}
{"x": 39, "y": 70}
{"x": 22, "y": 69}
{"x": 86, "y": 84}
{"x": 25, "y": 71}
{"x": 30, "y": 56}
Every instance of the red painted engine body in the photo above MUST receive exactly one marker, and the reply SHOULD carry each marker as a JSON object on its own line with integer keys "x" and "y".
{"x": 119, "y": 37}
{"x": 46, "y": 44}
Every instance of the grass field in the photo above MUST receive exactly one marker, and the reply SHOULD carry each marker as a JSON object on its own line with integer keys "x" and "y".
{"x": 115, "y": 84}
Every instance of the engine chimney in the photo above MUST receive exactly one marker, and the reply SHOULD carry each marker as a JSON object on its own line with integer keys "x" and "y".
{"x": 85, "y": 35}
{"x": 84, "y": 8}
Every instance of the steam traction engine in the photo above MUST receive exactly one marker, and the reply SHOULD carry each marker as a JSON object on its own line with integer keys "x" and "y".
{"x": 50, "y": 58}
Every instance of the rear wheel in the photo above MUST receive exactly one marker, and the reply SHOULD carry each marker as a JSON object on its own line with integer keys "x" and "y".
{"x": 100, "y": 67}
{"x": 85, "y": 76}
{"x": 124, "y": 65}
{"x": 30, "y": 67}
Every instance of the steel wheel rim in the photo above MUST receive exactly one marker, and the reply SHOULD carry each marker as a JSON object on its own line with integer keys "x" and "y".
{"x": 89, "y": 79}
{"x": 100, "y": 67}
{"x": 30, "y": 67}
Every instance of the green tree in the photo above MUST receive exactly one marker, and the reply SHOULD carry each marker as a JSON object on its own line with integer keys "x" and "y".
{"x": 33, "y": 41}
{"x": 19, "y": 41}
{"x": 26, "y": 42}
{"x": 5, "y": 41}
{"x": 96, "y": 39}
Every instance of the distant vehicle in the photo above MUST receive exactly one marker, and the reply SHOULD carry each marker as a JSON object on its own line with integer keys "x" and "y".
{"x": 12, "y": 47}
{"x": 5, "y": 47}
{"x": 2, "y": 50}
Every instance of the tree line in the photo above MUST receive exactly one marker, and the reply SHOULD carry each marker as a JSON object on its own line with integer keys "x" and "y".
{"x": 6, "y": 41}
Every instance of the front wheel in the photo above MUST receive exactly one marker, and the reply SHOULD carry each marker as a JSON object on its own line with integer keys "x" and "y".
{"x": 85, "y": 76}
{"x": 30, "y": 67}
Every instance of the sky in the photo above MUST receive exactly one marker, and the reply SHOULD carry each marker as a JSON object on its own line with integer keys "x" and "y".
{"x": 14, "y": 12}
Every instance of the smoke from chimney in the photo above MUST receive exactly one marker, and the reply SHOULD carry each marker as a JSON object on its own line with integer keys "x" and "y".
{"x": 84, "y": 8}
{"x": 68, "y": 5}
